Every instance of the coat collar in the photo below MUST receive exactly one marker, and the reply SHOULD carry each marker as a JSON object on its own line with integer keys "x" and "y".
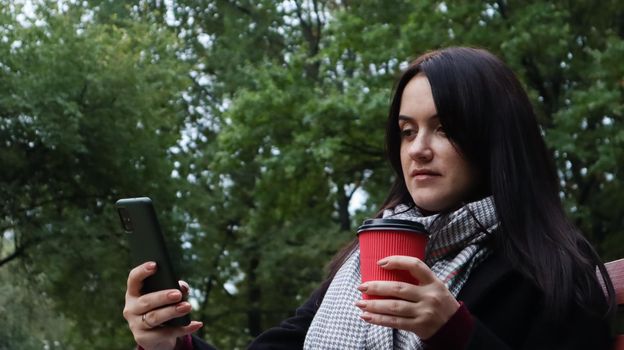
{"x": 484, "y": 277}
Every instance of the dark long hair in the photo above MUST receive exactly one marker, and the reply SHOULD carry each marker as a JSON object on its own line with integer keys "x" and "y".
{"x": 488, "y": 116}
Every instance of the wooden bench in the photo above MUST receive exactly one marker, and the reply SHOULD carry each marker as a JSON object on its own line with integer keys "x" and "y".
{"x": 616, "y": 273}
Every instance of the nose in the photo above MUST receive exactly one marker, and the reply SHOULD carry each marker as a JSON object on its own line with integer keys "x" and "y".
{"x": 420, "y": 148}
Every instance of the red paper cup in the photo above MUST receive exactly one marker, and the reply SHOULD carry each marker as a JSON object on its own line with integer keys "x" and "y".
{"x": 380, "y": 238}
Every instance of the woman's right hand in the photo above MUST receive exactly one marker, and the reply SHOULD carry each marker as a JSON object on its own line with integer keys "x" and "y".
{"x": 145, "y": 313}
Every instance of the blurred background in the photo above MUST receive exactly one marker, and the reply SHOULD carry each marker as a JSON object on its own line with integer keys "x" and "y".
{"x": 257, "y": 129}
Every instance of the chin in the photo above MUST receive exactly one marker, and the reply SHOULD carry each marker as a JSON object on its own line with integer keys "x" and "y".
{"x": 429, "y": 207}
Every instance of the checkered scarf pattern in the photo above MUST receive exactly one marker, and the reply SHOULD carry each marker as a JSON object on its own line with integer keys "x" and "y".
{"x": 456, "y": 246}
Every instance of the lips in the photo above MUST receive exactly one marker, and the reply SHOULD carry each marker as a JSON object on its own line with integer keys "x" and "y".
{"x": 423, "y": 173}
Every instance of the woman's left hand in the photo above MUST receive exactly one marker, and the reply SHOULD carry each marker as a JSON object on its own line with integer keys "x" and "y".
{"x": 422, "y": 309}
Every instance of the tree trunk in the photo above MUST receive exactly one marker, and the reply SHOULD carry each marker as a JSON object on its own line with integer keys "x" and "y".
{"x": 254, "y": 314}
{"x": 343, "y": 209}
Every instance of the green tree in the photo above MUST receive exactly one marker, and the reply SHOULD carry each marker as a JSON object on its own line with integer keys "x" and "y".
{"x": 299, "y": 117}
{"x": 255, "y": 125}
{"x": 89, "y": 112}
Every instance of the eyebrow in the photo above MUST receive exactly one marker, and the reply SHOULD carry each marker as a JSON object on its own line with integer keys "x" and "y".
{"x": 409, "y": 119}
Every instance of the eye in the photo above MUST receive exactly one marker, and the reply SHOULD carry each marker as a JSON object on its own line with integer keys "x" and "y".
{"x": 440, "y": 130}
{"x": 407, "y": 133}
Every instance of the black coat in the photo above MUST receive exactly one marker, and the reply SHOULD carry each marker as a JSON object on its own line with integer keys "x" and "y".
{"x": 507, "y": 309}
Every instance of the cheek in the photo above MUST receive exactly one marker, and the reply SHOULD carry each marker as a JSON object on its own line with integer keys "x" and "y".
{"x": 464, "y": 177}
{"x": 405, "y": 159}
{"x": 459, "y": 169}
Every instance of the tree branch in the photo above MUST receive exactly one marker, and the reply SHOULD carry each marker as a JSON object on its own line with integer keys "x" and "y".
{"x": 56, "y": 200}
{"x": 364, "y": 149}
{"x": 312, "y": 36}
{"x": 502, "y": 8}
{"x": 240, "y": 8}
{"x": 19, "y": 251}
{"x": 538, "y": 82}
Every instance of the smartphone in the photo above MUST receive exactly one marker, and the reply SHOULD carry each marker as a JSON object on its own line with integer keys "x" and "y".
{"x": 139, "y": 221}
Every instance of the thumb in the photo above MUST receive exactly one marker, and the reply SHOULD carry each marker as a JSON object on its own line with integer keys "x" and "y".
{"x": 184, "y": 287}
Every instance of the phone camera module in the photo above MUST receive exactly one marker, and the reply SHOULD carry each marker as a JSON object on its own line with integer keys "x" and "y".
{"x": 126, "y": 222}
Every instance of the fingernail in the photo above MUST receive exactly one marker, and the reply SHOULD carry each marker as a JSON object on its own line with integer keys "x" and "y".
{"x": 361, "y": 304}
{"x": 175, "y": 295}
{"x": 363, "y": 287}
{"x": 182, "y": 307}
{"x": 382, "y": 262}
{"x": 151, "y": 266}
{"x": 366, "y": 316}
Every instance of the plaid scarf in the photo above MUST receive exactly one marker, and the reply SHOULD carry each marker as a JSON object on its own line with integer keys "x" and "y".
{"x": 456, "y": 246}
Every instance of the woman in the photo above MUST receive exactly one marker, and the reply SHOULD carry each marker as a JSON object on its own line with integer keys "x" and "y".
{"x": 505, "y": 268}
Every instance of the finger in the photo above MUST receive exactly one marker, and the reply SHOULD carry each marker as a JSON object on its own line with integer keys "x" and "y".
{"x": 137, "y": 275}
{"x": 184, "y": 287}
{"x": 387, "y": 320}
{"x": 392, "y": 307}
{"x": 415, "y": 266}
{"x": 190, "y": 328}
{"x": 182, "y": 331}
{"x": 157, "y": 317}
{"x": 167, "y": 332}
{"x": 395, "y": 289}
{"x": 155, "y": 300}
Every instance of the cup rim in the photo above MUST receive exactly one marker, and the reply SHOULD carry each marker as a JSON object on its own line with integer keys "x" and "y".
{"x": 392, "y": 224}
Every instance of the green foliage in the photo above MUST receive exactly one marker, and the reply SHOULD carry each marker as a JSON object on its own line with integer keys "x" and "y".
{"x": 31, "y": 322}
{"x": 590, "y": 140}
{"x": 88, "y": 114}
{"x": 254, "y": 125}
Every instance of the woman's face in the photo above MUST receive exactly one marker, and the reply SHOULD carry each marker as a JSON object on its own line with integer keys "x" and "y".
{"x": 436, "y": 174}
